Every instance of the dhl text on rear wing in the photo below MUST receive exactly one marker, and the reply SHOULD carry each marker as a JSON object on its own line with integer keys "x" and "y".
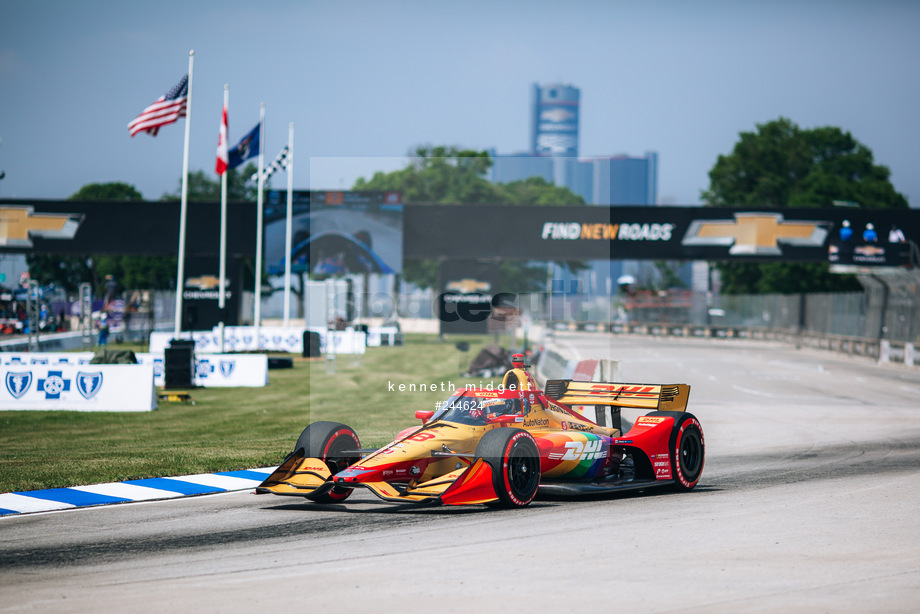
{"x": 664, "y": 397}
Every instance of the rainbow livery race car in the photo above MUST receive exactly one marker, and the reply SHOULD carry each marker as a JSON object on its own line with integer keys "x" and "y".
{"x": 503, "y": 446}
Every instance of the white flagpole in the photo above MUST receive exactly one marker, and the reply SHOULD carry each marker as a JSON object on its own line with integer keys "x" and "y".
{"x": 183, "y": 208}
{"x": 221, "y": 293}
{"x": 257, "y": 317}
{"x": 288, "y": 227}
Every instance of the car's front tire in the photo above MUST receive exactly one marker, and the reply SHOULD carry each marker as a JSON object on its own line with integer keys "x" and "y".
{"x": 515, "y": 461}
{"x": 336, "y": 445}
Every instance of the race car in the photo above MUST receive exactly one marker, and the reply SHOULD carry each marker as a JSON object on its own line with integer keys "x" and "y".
{"x": 502, "y": 446}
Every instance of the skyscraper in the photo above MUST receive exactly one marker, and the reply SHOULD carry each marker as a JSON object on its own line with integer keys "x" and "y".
{"x": 626, "y": 180}
{"x": 554, "y": 120}
{"x": 605, "y": 180}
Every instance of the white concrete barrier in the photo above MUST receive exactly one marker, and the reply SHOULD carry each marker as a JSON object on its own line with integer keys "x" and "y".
{"x": 347, "y": 341}
{"x": 217, "y": 370}
{"x": 46, "y": 358}
{"x": 211, "y": 370}
{"x": 236, "y": 339}
{"x": 377, "y": 334}
{"x": 78, "y": 387}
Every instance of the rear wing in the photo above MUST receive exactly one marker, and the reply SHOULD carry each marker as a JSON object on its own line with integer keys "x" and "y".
{"x": 664, "y": 397}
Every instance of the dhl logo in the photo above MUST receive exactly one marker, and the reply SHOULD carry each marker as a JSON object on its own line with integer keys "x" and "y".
{"x": 641, "y": 391}
{"x": 579, "y": 451}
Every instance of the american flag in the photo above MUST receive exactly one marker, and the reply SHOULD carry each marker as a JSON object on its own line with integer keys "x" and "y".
{"x": 168, "y": 108}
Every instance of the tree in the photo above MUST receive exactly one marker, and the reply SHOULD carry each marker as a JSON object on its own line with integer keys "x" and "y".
{"x": 538, "y": 191}
{"x": 448, "y": 176}
{"x": 205, "y": 187}
{"x": 440, "y": 175}
{"x": 114, "y": 191}
{"x": 782, "y": 165}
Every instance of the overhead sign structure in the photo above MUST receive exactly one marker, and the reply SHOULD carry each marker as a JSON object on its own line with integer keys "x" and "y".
{"x": 355, "y": 232}
{"x": 867, "y": 236}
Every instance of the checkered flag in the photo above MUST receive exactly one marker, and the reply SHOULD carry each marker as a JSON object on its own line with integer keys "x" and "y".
{"x": 281, "y": 162}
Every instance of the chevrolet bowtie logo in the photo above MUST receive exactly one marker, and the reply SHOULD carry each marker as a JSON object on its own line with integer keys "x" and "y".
{"x": 756, "y": 234}
{"x": 205, "y": 282}
{"x": 19, "y": 224}
{"x": 468, "y": 286}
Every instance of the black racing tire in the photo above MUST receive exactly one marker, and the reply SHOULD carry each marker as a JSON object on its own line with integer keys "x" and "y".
{"x": 327, "y": 441}
{"x": 686, "y": 450}
{"x": 515, "y": 461}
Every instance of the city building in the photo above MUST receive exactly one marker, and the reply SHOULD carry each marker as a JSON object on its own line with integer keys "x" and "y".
{"x": 554, "y": 120}
{"x": 606, "y": 180}
{"x": 609, "y": 180}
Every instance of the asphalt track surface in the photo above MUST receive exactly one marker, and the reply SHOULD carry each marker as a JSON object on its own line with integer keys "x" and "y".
{"x": 809, "y": 502}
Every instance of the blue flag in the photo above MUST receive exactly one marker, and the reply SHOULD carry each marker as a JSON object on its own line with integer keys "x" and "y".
{"x": 248, "y": 147}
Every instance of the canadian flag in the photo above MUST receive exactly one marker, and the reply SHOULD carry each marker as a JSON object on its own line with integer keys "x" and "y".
{"x": 223, "y": 157}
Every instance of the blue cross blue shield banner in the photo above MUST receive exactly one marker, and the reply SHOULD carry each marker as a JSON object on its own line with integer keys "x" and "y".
{"x": 53, "y": 385}
{"x": 17, "y": 384}
{"x": 226, "y": 367}
{"x": 88, "y": 384}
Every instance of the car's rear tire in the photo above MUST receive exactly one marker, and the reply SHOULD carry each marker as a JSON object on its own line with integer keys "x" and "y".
{"x": 330, "y": 442}
{"x": 515, "y": 461}
{"x": 686, "y": 449}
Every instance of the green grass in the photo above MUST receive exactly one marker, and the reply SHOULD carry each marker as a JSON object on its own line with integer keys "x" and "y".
{"x": 229, "y": 428}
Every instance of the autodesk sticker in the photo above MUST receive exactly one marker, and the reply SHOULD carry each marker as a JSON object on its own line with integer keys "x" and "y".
{"x": 19, "y": 224}
{"x": 756, "y": 234}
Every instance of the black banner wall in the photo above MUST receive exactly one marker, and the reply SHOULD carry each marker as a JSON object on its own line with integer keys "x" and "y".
{"x": 143, "y": 228}
{"x": 660, "y": 233}
{"x": 841, "y": 235}
{"x": 147, "y": 228}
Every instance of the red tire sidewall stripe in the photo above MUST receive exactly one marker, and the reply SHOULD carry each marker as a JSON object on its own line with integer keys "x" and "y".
{"x": 335, "y": 436}
{"x": 677, "y": 469}
{"x": 507, "y": 484}
{"x": 339, "y": 433}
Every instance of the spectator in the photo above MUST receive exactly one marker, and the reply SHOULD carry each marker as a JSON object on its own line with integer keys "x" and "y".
{"x": 846, "y": 233}
{"x": 103, "y": 329}
{"x": 869, "y": 234}
{"x": 895, "y": 235}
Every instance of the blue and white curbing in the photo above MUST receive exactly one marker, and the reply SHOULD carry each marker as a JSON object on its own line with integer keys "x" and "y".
{"x": 149, "y": 489}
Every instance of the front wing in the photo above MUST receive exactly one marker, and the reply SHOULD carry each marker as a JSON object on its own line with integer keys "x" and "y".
{"x": 306, "y": 477}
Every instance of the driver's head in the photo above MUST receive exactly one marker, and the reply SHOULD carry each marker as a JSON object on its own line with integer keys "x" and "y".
{"x": 493, "y": 406}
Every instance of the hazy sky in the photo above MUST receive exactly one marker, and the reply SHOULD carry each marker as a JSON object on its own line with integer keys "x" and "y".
{"x": 365, "y": 82}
